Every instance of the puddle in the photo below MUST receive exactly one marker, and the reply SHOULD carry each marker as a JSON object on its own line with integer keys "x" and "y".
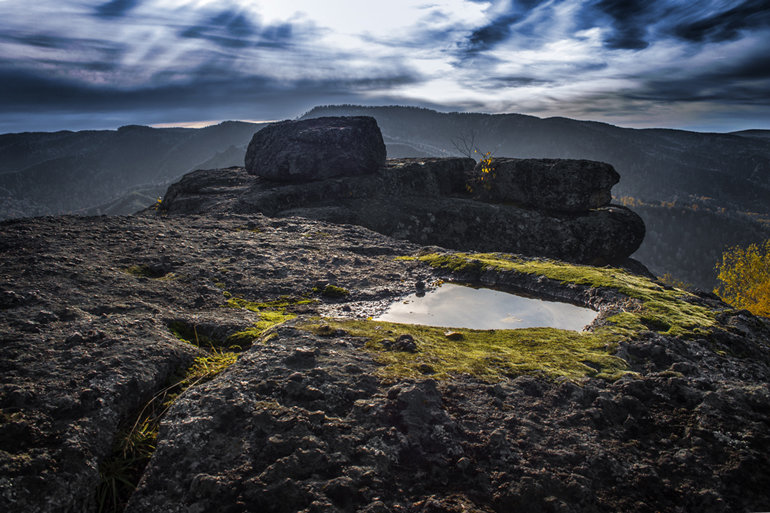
{"x": 459, "y": 306}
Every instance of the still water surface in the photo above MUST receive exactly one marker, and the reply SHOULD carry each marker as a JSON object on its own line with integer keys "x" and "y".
{"x": 459, "y": 306}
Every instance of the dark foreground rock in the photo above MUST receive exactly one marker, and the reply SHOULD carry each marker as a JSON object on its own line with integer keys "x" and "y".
{"x": 563, "y": 185}
{"x": 422, "y": 200}
{"x": 316, "y": 149}
{"x": 85, "y": 310}
{"x": 306, "y": 421}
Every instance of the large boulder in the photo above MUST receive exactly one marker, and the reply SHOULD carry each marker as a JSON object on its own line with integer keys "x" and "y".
{"x": 316, "y": 149}
{"x": 565, "y": 185}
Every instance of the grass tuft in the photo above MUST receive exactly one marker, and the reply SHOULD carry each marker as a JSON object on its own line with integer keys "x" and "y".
{"x": 135, "y": 442}
{"x": 331, "y": 291}
{"x": 271, "y": 314}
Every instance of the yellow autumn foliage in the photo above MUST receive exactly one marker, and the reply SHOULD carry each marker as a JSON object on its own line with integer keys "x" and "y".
{"x": 744, "y": 278}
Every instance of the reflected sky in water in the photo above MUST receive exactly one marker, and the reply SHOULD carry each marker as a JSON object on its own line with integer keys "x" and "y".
{"x": 458, "y": 306}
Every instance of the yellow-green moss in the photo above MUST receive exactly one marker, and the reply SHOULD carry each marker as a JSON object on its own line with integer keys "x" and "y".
{"x": 271, "y": 313}
{"x": 140, "y": 271}
{"x": 488, "y": 355}
{"x": 491, "y": 355}
{"x": 662, "y": 309}
{"x": 331, "y": 291}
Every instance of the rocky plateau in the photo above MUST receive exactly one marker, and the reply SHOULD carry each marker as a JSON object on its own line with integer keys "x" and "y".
{"x": 305, "y": 404}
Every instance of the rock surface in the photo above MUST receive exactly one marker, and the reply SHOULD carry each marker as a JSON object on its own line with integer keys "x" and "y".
{"x": 85, "y": 342}
{"x": 563, "y": 185}
{"x": 422, "y": 200}
{"x": 316, "y": 149}
{"x": 305, "y": 421}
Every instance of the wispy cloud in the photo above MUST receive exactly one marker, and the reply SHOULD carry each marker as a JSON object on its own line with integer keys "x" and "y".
{"x": 633, "y": 62}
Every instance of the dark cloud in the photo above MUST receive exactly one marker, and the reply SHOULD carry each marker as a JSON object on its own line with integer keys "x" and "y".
{"x": 486, "y": 37}
{"x": 743, "y": 81}
{"x": 232, "y": 29}
{"x": 115, "y": 8}
{"x": 29, "y": 92}
{"x": 228, "y": 28}
{"x": 629, "y": 20}
{"x": 726, "y": 24}
{"x": 501, "y": 28}
{"x": 103, "y": 49}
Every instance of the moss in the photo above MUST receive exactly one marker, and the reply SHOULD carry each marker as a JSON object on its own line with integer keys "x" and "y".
{"x": 316, "y": 235}
{"x": 662, "y": 308}
{"x": 489, "y": 355}
{"x": 276, "y": 304}
{"x": 141, "y": 271}
{"x": 148, "y": 271}
{"x": 331, "y": 291}
{"x": 271, "y": 313}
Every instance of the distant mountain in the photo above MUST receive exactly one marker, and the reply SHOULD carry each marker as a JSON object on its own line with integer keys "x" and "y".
{"x": 757, "y": 134}
{"x": 64, "y": 172}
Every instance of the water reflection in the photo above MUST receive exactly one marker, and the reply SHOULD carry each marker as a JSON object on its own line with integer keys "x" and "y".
{"x": 459, "y": 306}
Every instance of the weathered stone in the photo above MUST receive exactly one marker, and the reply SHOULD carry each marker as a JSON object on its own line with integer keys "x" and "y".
{"x": 424, "y": 201}
{"x": 103, "y": 344}
{"x": 562, "y": 185}
{"x": 316, "y": 149}
{"x": 305, "y": 422}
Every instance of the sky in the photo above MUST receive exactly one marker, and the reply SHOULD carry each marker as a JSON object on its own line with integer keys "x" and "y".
{"x": 71, "y": 64}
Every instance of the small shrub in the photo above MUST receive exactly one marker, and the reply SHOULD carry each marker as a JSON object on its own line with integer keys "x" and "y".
{"x": 744, "y": 276}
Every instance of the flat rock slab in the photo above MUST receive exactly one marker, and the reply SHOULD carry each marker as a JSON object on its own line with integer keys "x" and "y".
{"x": 316, "y": 149}
{"x": 305, "y": 422}
{"x": 85, "y": 308}
{"x": 562, "y": 185}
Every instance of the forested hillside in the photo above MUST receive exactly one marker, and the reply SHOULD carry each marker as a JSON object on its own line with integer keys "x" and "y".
{"x": 62, "y": 172}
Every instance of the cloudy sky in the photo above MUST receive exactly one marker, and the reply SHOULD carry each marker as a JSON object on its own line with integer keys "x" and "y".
{"x": 695, "y": 64}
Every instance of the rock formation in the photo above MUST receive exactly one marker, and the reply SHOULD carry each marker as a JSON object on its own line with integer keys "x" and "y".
{"x": 560, "y": 185}
{"x": 316, "y": 149}
{"x": 554, "y": 208}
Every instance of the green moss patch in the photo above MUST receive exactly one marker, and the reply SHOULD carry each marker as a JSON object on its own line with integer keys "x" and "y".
{"x": 661, "y": 308}
{"x": 271, "y": 313}
{"x": 145, "y": 271}
{"x": 489, "y": 355}
{"x": 331, "y": 291}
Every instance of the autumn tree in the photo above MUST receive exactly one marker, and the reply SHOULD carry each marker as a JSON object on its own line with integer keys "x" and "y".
{"x": 744, "y": 278}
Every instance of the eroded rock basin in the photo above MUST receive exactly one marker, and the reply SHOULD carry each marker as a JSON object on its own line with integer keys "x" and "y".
{"x": 459, "y": 306}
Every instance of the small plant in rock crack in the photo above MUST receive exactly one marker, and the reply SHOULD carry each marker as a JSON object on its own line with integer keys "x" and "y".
{"x": 135, "y": 443}
{"x": 487, "y": 171}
